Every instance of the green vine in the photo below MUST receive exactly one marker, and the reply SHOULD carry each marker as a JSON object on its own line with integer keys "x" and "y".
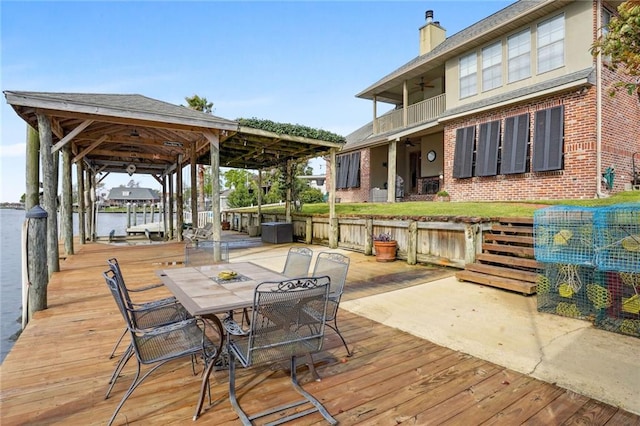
{"x": 291, "y": 129}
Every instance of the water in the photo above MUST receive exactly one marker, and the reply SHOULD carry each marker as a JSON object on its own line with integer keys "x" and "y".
{"x": 11, "y": 265}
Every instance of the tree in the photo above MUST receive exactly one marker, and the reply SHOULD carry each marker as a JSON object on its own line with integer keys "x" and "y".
{"x": 621, "y": 44}
{"x": 200, "y": 104}
{"x": 244, "y": 188}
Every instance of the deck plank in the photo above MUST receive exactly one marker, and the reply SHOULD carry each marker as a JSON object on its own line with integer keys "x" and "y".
{"x": 58, "y": 370}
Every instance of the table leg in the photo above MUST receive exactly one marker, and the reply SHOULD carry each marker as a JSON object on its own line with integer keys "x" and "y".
{"x": 211, "y": 363}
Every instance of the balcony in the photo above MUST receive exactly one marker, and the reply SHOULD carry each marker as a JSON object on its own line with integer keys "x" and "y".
{"x": 420, "y": 112}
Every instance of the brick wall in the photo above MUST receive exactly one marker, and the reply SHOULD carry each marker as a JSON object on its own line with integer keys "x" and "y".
{"x": 578, "y": 179}
{"x": 361, "y": 194}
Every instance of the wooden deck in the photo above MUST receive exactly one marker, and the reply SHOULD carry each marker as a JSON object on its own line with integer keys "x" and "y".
{"x": 57, "y": 372}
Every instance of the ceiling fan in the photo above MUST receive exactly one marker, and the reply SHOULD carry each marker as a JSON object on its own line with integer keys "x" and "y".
{"x": 422, "y": 84}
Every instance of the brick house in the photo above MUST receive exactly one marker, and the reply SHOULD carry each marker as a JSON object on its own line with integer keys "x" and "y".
{"x": 513, "y": 107}
{"x": 121, "y": 196}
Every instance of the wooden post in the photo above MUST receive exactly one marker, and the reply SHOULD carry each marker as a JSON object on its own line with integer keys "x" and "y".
{"x": 412, "y": 243}
{"x": 163, "y": 213}
{"x": 259, "y": 197}
{"x": 391, "y": 172}
{"x": 333, "y": 220}
{"x": 92, "y": 205}
{"x": 81, "y": 206}
{"x": 67, "y": 201}
{"x": 49, "y": 199}
{"x": 308, "y": 234}
{"x": 287, "y": 204}
{"x": 214, "y": 148}
{"x": 32, "y": 194}
{"x": 179, "y": 199}
{"x": 471, "y": 242}
{"x": 170, "y": 201}
{"x": 368, "y": 236}
{"x": 37, "y": 259}
{"x": 195, "y": 188}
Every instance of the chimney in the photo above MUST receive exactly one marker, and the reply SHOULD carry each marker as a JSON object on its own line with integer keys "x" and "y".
{"x": 431, "y": 34}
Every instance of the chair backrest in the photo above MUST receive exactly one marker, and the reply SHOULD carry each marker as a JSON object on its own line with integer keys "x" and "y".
{"x": 114, "y": 266}
{"x": 112, "y": 281}
{"x": 336, "y": 266}
{"x": 198, "y": 253}
{"x": 288, "y": 319}
{"x": 298, "y": 262}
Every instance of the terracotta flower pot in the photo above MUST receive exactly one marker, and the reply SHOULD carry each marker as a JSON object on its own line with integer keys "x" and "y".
{"x": 385, "y": 250}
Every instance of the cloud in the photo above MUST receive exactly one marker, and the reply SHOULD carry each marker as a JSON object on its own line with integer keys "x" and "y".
{"x": 14, "y": 150}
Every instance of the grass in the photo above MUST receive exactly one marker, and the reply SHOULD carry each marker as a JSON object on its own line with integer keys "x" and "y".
{"x": 468, "y": 209}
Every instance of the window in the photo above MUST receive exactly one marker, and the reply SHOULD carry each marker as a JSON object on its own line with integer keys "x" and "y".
{"x": 492, "y": 67}
{"x": 348, "y": 170}
{"x": 487, "y": 155}
{"x": 551, "y": 44}
{"x": 468, "y": 75}
{"x": 519, "y": 50}
{"x": 548, "y": 139}
{"x": 515, "y": 145}
{"x": 463, "y": 156}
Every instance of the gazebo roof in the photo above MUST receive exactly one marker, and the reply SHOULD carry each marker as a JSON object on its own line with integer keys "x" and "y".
{"x": 111, "y": 132}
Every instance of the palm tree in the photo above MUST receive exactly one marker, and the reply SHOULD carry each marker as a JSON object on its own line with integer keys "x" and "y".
{"x": 200, "y": 104}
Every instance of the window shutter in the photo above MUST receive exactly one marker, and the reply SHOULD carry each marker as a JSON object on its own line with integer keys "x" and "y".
{"x": 548, "y": 139}
{"x": 353, "y": 180}
{"x": 515, "y": 144}
{"x": 342, "y": 171}
{"x": 487, "y": 155}
{"x": 463, "y": 156}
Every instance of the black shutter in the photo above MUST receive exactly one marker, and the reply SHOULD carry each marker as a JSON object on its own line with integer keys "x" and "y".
{"x": 487, "y": 155}
{"x": 548, "y": 139}
{"x": 514, "y": 145}
{"x": 463, "y": 156}
{"x": 342, "y": 172}
{"x": 353, "y": 180}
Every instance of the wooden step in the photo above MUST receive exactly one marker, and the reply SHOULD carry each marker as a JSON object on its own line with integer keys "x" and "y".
{"x": 503, "y": 248}
{"x": 519, "y": 239}
{"x": 503, "y": 271}
{"x": 528, "y": 230}
{"x": 521, "y": 262}
{"x": 518, "y": 220}
{"x": 495, "y": 281}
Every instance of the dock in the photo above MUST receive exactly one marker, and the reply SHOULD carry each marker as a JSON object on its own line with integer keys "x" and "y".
{"x": 58, "y": 370}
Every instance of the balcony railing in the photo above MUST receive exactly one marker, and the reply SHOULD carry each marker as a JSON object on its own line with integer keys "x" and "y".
{"x": 420, "y": 112}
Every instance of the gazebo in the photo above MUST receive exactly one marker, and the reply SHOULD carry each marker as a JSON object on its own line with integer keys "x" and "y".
{"x": 131, "y": 133}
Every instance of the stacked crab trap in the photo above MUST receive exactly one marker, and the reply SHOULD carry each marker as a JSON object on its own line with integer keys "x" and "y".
{"x": 591, "y": 264}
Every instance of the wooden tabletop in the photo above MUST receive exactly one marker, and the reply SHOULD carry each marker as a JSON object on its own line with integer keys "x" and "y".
{"x": 201, "y": 291}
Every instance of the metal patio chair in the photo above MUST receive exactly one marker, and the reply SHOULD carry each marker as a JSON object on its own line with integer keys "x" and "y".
{"x": 298, "y": 262}
{"x": 149, "y": 319}
{"x": 336, "y": 266}
{"x": 158, "y": 345}
{"x": 144, "y": 315}
{"x": 288, "y": 321}
{"x": 198, "y": 253}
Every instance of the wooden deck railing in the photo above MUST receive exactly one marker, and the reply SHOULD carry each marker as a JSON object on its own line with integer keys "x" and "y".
{"x": 420, "y": 112}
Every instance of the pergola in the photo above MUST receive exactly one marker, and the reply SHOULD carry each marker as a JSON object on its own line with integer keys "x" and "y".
{"x": 129, "y": 133}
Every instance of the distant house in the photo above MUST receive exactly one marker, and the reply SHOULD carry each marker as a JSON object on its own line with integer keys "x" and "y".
{"x": 513, "y": 107}
{"x": 122, "y": 195}
{"x": 315, "y": 181}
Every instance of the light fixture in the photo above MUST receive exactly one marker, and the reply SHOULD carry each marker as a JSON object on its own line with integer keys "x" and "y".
{"x": 131, "y": 169}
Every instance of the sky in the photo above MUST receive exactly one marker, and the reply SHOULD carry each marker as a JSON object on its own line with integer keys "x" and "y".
{"x": 298, "y": 62}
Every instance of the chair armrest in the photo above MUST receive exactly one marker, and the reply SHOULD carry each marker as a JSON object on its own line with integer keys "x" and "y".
{"x": 155, "y": 303}
{"x": 145, "y": 288}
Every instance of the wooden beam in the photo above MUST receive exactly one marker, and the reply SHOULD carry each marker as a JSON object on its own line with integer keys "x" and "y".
{"x": 125, "y": 154}
{"x": 75, "y": 132}
{"x": 90, "y": 148}
{"x": 56, "y": 128}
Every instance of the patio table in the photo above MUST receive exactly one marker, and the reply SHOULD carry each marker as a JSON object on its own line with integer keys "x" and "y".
{"x": 203, "y": 293}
